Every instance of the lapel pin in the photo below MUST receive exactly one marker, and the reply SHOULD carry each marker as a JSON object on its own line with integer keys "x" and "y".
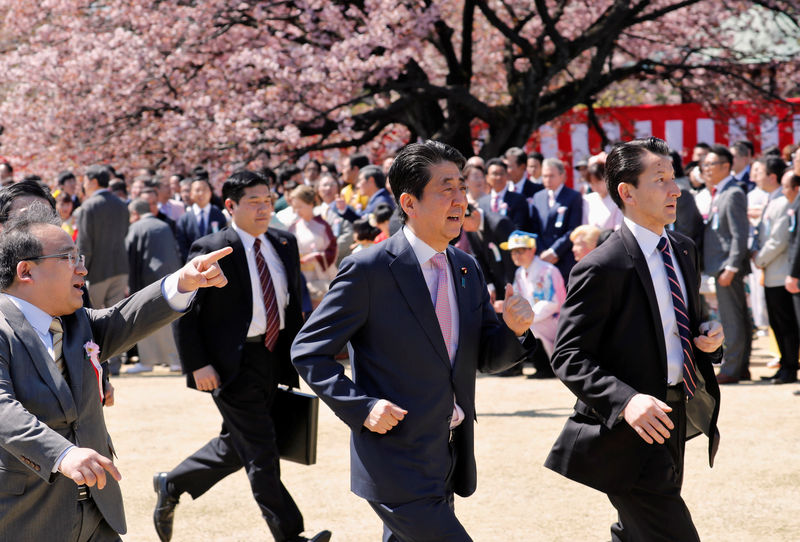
{"x": 463, "y": 277}
{"x": 284, "y": 242}
{"x": 685, "y": 252}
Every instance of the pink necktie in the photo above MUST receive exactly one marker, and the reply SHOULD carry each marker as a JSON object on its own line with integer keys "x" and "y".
{"x": 494, "y": 203}
{"x": 270, "y": 302}
{"x": 443, "y": 302}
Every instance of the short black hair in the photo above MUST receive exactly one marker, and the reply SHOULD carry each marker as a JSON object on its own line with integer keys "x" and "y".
{"x": 139, "y": 206}
{"x": 519, "y": 155}
{"x": 625, "y": 163}
{"x": 199, "y": 172}
{"x": 100, "y": 174}
{"x": 744, "y": 147}
{"x": 676, "y": 164}
{"x": 18, "y": 243}
{"x": 65, "y": 176}
{"x": 358, "y": 160}
{"x": 383, "y": 213}
{"x": 376, "y": 173}
{"x": 536, "y": 156}
{"x": 32, "y": 177}
{"x": 496, "y": 162}
{"x": 411, "y": 169}
{"x": 118, "y": 186}
{"x": 773, "y": 165}
{"x": 597, "y": 170}
{"x": 364, "y": 231}
{"x": 285, "y": 174}
{"x": 723, "y": 152}
{"x": 202, "y": 180}
{"x": 702, "y": 145}
{"x": 234, "y": 186}
{"x": 17, "y": 190}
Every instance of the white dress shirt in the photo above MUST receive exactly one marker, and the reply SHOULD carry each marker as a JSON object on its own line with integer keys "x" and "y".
{"x": 201, "y": 214}
{"x": 258, "y": 323}
{"x": 648, "y": 242}
{"x": 425, "y": 254}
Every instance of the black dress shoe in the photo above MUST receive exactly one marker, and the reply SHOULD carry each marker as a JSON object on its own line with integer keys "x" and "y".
{"x": 784, "y": 378}
{"x": 773, "y": 377}
{"x": 516, "y": 370}
{"x": 164, "y": 513}
{"x": 322, "y": 536}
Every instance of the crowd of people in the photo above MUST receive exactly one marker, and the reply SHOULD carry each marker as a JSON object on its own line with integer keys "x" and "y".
{"x": 285, "y": 235}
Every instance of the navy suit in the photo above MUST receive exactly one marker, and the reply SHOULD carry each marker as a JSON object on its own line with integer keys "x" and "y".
{"x": 380, "y": 303}
{"x": 529, "y": 188}
{"x": 556, "y": 223}
{"x": 515, "y": 207}
{"x": 188, "y": 230}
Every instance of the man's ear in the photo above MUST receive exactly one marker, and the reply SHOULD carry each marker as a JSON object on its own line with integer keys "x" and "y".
{"x": 625, "y": 194}
{"x": 408, "y": 204}
{"x": 229, "y": 205}
{"x": 24, "y": 271}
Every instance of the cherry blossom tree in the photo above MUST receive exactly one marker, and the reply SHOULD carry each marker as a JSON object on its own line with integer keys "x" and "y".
{"x": 176, "y": 83}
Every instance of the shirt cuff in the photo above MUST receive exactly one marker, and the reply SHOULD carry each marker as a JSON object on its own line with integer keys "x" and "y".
{"x": 177, "y": 301}
{"x": 61, "y": 458}
{"x": 731, "y": 269}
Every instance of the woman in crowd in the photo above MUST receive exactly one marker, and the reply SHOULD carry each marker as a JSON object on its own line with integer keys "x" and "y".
{"x": 65, "y": 208}
{"x": 380, "y": 219}
{"x": 315, "y": 241}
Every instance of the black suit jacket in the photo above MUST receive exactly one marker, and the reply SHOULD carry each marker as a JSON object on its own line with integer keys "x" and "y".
{"x": 187, "y": 228}
{"x": 794, "y": 238}
{"x": 529, "y": 188}
{"x": 515, "y": 207}
{"x": 215, "y": 328}
{"x": 486, "y": 249}
{"x": 610, "y": 346}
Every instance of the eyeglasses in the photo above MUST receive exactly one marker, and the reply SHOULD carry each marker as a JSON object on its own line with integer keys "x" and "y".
{"x": 709, "y": 164}
{"x": 75, "y": 260}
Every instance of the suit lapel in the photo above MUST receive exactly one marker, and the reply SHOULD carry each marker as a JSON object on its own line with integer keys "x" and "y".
{"x": 640, "y": 264}
{"x": 456, "y": 265}
{"x": 281, "y": 246}
{"x": 40, "y": 357}
{"x": 408, "y": 274}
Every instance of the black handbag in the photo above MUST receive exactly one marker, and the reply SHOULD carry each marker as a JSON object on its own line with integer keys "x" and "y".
{"x": 295, "y": 415}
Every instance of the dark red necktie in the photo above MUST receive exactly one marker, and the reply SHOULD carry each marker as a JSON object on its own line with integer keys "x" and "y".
{"x": 270, "y": 302}
{"x": 682, "y": 318}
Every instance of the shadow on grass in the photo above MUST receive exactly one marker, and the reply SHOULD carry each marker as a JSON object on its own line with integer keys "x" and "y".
{"x": 558, "y": 412}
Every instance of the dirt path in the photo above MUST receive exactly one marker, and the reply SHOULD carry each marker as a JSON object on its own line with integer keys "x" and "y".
{"x": 751, "y": 494}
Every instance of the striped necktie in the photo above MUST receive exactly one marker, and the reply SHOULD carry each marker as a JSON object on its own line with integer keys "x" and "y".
{"x": 681, "y": 317}
{"x": 58, "y": 338}
{"x": 270, "y": 302}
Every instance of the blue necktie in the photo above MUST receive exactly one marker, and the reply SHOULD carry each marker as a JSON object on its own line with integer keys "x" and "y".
{"x": 201, "y": 225}
{"x": 682, "y": 318}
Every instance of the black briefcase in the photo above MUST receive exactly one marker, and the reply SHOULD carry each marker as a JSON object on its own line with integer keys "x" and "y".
{"x": 295, "y": 415}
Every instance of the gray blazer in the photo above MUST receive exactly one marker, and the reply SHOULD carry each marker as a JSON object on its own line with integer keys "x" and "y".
{"x": 102, "y": 222}
{"x": 773, "y": 238}
{"x": 152, "y": 252}
{"x": 42, "y": 415}
{"x": 726, "y": 232}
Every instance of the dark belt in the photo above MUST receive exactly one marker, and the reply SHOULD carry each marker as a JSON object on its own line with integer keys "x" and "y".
{"x": 256, "y": 339}
{"x": 675, "y": 393}
{"x": 83, "y": 493}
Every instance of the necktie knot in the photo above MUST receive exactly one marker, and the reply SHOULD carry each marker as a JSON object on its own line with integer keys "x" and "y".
{"x": 440, "y": 261}
{"x": 55, "y": 326}
{"x": 257, "y": 244}
{"x": 662, "y": 245}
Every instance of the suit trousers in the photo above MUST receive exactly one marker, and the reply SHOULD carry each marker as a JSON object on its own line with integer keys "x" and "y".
{"x": 653, "y": 510}
{"x": 107, "y": 293}
{"x": 429, "y": 519}
{"x": 90, "y": 526}
{"x": 783, "y": 321}
{"x": 736, "y": 325}
{"x": 247, "y": 439}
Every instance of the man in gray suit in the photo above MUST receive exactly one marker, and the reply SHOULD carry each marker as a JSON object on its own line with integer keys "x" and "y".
{"x": 57, "y": 477}
{"x": 152, "y": 253}
{"x": 726, "y": 258}
{"x": 102, "y": 225}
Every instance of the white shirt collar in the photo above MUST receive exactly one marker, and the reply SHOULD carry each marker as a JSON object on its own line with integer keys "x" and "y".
{"x": 38, "y": 318}
{"x": 247, "y": 240}
{"x": 648, "y": 240}
{"x": 557, "y": 191}
{"x": 422, "y": 250}
{"x": 196, "y": 208}
{"x": 500, "y": 195}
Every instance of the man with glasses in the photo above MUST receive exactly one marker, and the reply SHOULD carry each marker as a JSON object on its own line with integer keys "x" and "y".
{"x": 57, "y": 477}
{"x": 726, "y": 258}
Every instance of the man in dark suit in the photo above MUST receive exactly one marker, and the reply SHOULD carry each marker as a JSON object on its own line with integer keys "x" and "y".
{"x": 150, "y": 195}
{"x": 727, "y": 259}
{"x": 235, "y": 344}
{"x": 417, "y": 315}
{"x": 102, "y": 223}
{"x": 484, "y": 233}
{"x": 202, "y": 218}
{"x": 632, "y": 348}
{"x": 500, "y": 199}
{"x": 556, "y": 211}
{"x": 517, "y": 161}
{"x": 57, "y": 474}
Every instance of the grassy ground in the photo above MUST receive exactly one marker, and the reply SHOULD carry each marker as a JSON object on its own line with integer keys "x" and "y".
{"x": 750, "y": 494}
